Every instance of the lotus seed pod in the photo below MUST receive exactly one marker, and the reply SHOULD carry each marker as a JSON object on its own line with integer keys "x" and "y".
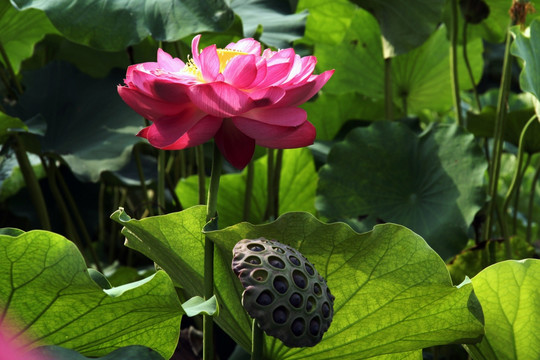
{"x": 283, "y": 291}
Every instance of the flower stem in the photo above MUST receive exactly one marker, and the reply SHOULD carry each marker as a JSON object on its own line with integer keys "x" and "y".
{"x": 468, "y": 66}
{"x": 76, "y": 215}
{"x": 515, "y": 181}
{"x": 211, "y": 213}
{"x": 257, "y": 341}
{"x": 277, "y": 180}
{"x": 388, "y": 101}
{"x": 518, "y": 192}
{"x": 498, "y": 136}
{"x": 31, "y": 182}
{"x": 531, "y": 204}
{"x": 199, "y": 154}
{"x": 61, "y": 204}
{"x": 161, "y": 182}
{"x": 454, "y": 61}
{"x": 249, "y": 190}
{"x": 270, "y": 185}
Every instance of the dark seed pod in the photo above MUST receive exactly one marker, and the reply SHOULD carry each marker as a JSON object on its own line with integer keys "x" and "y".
{"x": 283, "y": 291}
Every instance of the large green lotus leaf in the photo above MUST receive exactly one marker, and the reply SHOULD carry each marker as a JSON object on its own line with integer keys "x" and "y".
{"x": 280, "y": 26}
{"x": 404, "y": 25}
{"x": 330, "y": 111}
{"x": 88, "y": 124}
{"x": 510, "y": 297}
{"x": 21, "y": 30}
{"x": 528, "y": 49}
{"x": 420, "y": 78}
{"x": 327, "y": 22}
{"x": 115, "y": 25}
{"x": 46, "y": 290}
{"x": 296, "y": 193}
{"x": 393, "y": 292}
{"x": 432, "y": 183}
{"x": 134, "y": 352}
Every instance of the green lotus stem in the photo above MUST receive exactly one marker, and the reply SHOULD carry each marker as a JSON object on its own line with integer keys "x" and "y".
{"x": 468, "y": 66}
{"x": 10, "y": 69}
{"x": 199, "y": 154}
{"x": 211, "y": 213}
{"x": 77, "y": 215}
{"x": 388, "y": 101}
{"x": 101, "y": 213}
{"x": 161, "y": 182}
{"x": 137, "y": 154}
{"x": 454, "y": 60}
{"x": 257, "y": 341}
{"x": 498, "y": 136}
{"x": 249, "y": 190}
{"x": 531, "y": 205}
{"x": 31, "y": 182}
{"x": 514, "y": 183}
{"x": 277, "y": 180}
{"x": 518, "y": 192}
{"x": 61, "y": 204}
{"x": 269, "y": 184}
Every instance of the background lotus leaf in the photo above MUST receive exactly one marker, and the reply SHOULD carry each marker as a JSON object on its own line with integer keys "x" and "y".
{"x": 88, "y": 124}
{"x": 20, "y": 32}
{"x": 404, "y": 25}
{"x": 115, "y": 25}
{"x": 432, "y": 183}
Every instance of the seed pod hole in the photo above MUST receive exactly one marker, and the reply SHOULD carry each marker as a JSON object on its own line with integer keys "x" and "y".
{"x": 280, "y": 315}
{"x": 300, "y": 279}
{"x": 260, "y": 275}
{"x": 310, "y": 303}
{"x": 254, "y": 260}
{"x": 281, "y": 285}
{"x": 325, "y": 310}
{"x": 309, "y": 269}
{"x": 265, "y": 298}
{"x": 276, "y": 262}
{"x": 278, "y": 250}
{"x": 255, "y": 247}
{"x": 317, "y": 289}
{"x": 314, "y": 326}
{"x": 294, "y": 260}
{"x": 296, "y": 300}
{"x": 298, "y": 326}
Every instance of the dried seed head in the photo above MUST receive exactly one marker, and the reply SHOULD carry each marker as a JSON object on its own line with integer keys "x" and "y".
{"x": 283, "y": 291}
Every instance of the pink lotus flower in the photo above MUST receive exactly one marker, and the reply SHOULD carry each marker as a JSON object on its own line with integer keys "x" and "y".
{"x": 235, "y": 95}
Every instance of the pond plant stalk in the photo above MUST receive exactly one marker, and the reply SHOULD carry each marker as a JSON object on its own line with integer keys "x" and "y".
{"x": 211, "y": 216}
{"x": 518, "y": 13}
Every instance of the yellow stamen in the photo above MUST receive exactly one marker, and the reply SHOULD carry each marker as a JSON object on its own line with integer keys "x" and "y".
{"x": 224, "y": 55}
